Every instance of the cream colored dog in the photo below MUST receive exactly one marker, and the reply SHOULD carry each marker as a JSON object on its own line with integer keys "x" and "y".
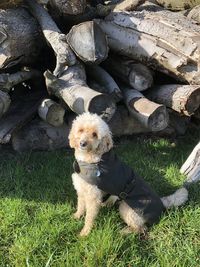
{"x": 91, "y": 137}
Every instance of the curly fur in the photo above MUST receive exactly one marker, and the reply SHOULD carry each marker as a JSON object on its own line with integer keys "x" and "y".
{"x": 90, "y": 130}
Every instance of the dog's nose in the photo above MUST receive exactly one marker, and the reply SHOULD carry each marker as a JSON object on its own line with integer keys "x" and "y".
{"x": 83, "y": 143}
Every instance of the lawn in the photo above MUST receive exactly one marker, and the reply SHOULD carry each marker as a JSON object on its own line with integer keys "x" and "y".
{"x": 37, "y": 201}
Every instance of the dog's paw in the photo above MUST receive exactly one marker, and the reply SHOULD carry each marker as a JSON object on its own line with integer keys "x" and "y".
{"x": 77, "y": 215}
{"x": 110, "y": 201}
{"x": 84, "y": 232}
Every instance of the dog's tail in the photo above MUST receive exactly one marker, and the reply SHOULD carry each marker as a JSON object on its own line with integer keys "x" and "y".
{"x": 178, "y": 198}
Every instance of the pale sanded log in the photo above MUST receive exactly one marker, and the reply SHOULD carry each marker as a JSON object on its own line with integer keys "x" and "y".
{"x": 20, "y": 38}
{"x": 191, "y": 167}
{"x": 7, "y": 81}
{"x": 130, "y": 72}
{"x": 105, "y": 81}
{"x": 54, "y": 37}
{"x": 68, "y": 7}
{"x": 51, "y": 112}
{"x": 164, "y": 40}
{"x": 88, "y": 42}
{"x": 39, "y": 135}
{"x": 21, "y": 110}
{"x": 71, "y": 87}
{"x": 4, "y": 102}
{"x": 184, "y": 99}
{"x": 178, "y": 4}
{"x": 150, "y": 114}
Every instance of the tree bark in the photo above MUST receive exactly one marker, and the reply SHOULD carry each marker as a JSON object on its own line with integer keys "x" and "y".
{"x": 71, "y": 87}
{"x": 191, "y": 167}
{"x": 134, "y": 74}
{"x": 4, "y": 102}
{"x": 105, "y": 81}
{"x": 39, "y": 135}
{"x": 184, "y": 99}
{"x": 164, "y": 40}
{"x": 54, "y": 37}
{"x": 20, "y": 111}
{"x": 178, "y": 4}
{"x": 7, "y": 81}
{"x": 51, "y": 112}
{"x": 151, "y": 115}
{"x": 68, "y": 7}
{"x": 20, "y": 39}
{"x": 88, "y": 42}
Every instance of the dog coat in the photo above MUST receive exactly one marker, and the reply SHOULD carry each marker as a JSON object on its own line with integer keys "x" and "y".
{"x": 113, "y": 176}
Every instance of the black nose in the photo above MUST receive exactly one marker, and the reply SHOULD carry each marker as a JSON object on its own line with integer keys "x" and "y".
{"x": 83, "y": 143}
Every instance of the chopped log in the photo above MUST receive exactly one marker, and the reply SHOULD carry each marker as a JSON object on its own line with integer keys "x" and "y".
{"x": 105, "y": 81}
{"x": 130, "y": 72}
{"x": 20, "y": 39}
{"x": 71, "y": 87}
{"x": 178, "y": 4}
{"x": 151, "y": 115}
{"x": 68, "y": 7}
{"x": 39, "y": 135}
{"x": 51, "y": 112}
{"x": 21, "y": 110}
{"x": 184, "y": 99}
{"x": 193, "y": 13}
{"x": 88, "y": 42}
{"x": 7, "y": 81}
{"x": 164, "y": 40}
{"x": 54, "y": 37}
{"x": 4, "y": 102}
{"x": 191, "y": 167}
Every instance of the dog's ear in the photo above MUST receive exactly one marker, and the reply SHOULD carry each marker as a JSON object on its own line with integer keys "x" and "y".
{"x": 72, "y": 141}
{"x": 107, "y": 142}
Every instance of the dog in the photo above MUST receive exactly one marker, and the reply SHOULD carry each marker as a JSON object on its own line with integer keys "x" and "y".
{"x": 99, "y": 172}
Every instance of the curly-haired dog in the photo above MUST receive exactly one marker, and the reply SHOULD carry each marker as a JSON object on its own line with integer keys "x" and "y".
{"x": 98, "y": 171}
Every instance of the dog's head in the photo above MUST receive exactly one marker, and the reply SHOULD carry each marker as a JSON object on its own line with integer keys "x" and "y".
{"x": 89, "y": 133}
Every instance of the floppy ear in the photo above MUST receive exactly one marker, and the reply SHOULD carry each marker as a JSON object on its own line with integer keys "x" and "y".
{"x": 106, "y": 143}
{"x": 72, "y": 141}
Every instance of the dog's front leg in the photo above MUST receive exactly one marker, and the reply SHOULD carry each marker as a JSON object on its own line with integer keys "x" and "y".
{"x": 92, "y": 209}
{"x": 80, "y": 206}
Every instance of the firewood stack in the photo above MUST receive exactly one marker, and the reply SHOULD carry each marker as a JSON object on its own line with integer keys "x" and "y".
{"x": 133, "y": 62}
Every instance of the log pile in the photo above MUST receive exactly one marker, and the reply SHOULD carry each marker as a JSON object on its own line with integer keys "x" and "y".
{"x": 133, "y": 62}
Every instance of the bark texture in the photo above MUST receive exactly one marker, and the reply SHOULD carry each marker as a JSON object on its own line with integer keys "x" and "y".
{"x": 164, "y": 40}
{"x": 184, "y": 99}
{"x": 20, "y": 38}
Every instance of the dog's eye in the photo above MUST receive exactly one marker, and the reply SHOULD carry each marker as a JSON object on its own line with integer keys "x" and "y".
{"x": 80, "y": 130}
{"x": 94, "y": 134}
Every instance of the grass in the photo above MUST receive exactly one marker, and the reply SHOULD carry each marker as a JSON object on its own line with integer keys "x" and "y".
{"x": 37, "y": 201}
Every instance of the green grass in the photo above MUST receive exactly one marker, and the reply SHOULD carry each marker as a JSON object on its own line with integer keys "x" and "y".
{"x": 37, "y": 201}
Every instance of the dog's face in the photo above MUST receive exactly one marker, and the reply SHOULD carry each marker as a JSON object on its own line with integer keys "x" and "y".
{"x": 90, "y": 133}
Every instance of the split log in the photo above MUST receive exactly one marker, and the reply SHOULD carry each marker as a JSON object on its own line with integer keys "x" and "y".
{"x": 105, "y": 81}
{"x": 71, "y": 87}
{"x": 191, "y": 167}
{"x": 88, "y": 42}
{"x": 134, "y": 74}
{"x": 4, "y": 102}
{"x": 178, "y": 4}
{"x": 164, "y": 40}
{"x": 51, "y": 112}
{"x": 54, "y": 37}
{"x": 21, "y": 110}
{"x": 7, "y": 81}
{"x": 151, "y": 115}
{"x": 184, "y": 99}
{"x": 39, "y": 135}
{"x": 20, "y": 39}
